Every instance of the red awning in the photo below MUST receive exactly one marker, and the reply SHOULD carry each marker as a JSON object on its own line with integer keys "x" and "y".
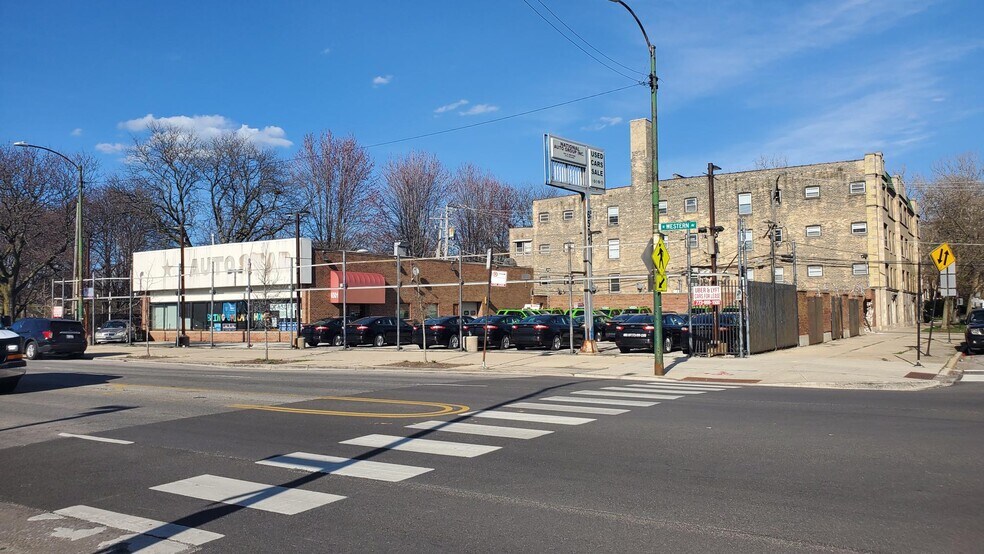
{"x": 357, "y": 291}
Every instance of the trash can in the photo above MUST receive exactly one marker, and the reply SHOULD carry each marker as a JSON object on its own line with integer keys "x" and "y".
{"x": 471, "y": 344}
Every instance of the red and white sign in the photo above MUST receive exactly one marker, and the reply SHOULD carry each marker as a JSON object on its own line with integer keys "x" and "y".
{"x": 57, "y": 312}
{"x": 499, "y": 278}
{"x": 706, "y": 296}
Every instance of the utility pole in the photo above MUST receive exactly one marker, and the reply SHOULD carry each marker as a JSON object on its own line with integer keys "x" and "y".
{"x": 396, "y": 250}
{"x": 570, "y": 292}
{"x": 712, "y": 229}
{"x": 297, "y": 257}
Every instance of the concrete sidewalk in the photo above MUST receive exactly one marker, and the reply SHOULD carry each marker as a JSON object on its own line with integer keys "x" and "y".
{"x": 874, "y": 361}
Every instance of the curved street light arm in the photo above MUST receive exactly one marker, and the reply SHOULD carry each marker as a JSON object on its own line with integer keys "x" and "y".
{"x": 634, "y": 16}
{"x": 23, "y": 144}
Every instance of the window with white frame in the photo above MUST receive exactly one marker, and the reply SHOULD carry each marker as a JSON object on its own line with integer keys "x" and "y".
{"x": 662, "y": 207}
{"x": 613, "y": 215}
{"x": 777, "y": 234}
{"x": 544, "y": 217}
{"x": 812, "y": 192}
{"x": 814, "y": 271}
{"x": 780, "y": 274}
{"x": 859, "y": 269}
{"x": 613, "y": 249}
{"x": 690, "y": 205}
{"x": 857, "y": 187}
{"x": 813, "y": 231}
{"x": 694, "y": 238}
{"x": 859, "y": 228}
{"x": 746, "y": 237}
{"x": 568, "y": 215}
{"x": 524, "y": 246}
{"x": 614, "y": 283}
{"x": 545, "y": 248}
{"x": 744, "y": 203}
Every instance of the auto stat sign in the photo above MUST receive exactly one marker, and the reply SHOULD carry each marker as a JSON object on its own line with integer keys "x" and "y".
{"x": 706, "y": 295}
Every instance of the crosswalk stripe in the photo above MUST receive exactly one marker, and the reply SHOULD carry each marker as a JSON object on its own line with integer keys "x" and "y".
{"x": 142, "y": 525}
{"x": 423, "y": 446}
{"x": 972, "y": 378}
{"x": 640, "y": 403}
{"x": 257, "y": 496}
{"x": 644, "y": 388}
{"x": 485, "y": 430}
{"x": 680, "y": 387}
{"x": 334, "y": 465}
{"x": 695, "y": 385}
{"x": 536, "y": 418}
{"x": 626, "y": 394}
{"x": 561, "y": 408}
{"x": 92, "y": 438}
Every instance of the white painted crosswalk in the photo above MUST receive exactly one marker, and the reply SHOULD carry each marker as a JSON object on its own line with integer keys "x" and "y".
{"x": 535, "y": 418}
{"x": 483, "y": 430}
{"x": 973, "y": 376}
{"x": 649, "y": 388}
{"x": 257, "y": 496}
{"x": 604, "y": 401}
{"x": 691, "y": 384}
{"x": 679, "y": 387}
{"x": 141, "y": 525}
{"x": 348, "y": 467}
{"x": 562, "y": 408}
{"x": 616, "y": 394}
{"x": 423, "y": 446}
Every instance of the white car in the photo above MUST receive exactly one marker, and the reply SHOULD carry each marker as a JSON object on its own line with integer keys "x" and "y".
{"x": 115, "y": 330}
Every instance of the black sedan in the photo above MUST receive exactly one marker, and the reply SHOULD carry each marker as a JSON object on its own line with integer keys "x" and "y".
{"x": 439, "y": 331}
{"x": 12, "y": 366}
{"x": 636, "y": 333}
{"x": 728, "y": 331}
{"x": 600, "y": 323}
{"x": 608, "y": 331}
{"x": 323, "y": 331}
{"x": 974, "y": 335}
{"x": 544, "y": 331}
{"x": 499, "y": 329}
{"x": 377, "y": 331}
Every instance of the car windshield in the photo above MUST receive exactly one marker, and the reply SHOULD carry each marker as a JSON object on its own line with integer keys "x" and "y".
{"x": 436, "y": 320}
{"x": 640, "y": 318}
{"x": 537, "y": 319}
{"x": 364, "y": 321}
{"x": 976, "y": 317}
{"x": 114, "y": 324}
{"x": 66, "y": 326}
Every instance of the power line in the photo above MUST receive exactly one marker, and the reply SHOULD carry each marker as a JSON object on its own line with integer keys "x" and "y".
{"x": 557, "y": 17}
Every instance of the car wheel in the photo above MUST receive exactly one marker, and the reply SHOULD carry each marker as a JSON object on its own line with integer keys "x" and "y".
{"x": 31, "y": 351}
{"x": 555, "y": 345}
{"x": 453, "y": 342}
{"x": 624, "y": 350}
{"x": 667, "y": 344}
{"x": 337, "y": 341}
{"x": 380, "y": 340}
{"x": 311, "y": 344}
{"x": 8, "y": 385}
{"x": 504, "y": 343}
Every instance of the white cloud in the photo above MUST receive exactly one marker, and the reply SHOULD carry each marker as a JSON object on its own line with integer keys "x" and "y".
{"x": 326, "y": 51}
{"x": 451, "y": 106}
{"x": 602, "y": 123}
{"x": 479, "y": 109}
{"x": 381, "y": 80}
{"x": 110, "y": 148}
{"x": 77, "y": 132}
{"x": 207, "y": 126}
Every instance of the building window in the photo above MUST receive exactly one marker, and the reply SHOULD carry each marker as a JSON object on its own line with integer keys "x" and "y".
{"x": 813, "y": 231}
{"x": 859, "y": 228}
{"x": 544, "y": 217}
{"x": 614, "y": 283}
{"x": 746, "y": 237}
{"x": 812, "y": 192}
{"x": 690, "y": 205}
{"x": 544, "y": 248}
{"x": 744, "y": 203}
{"x": 524, "y": 246}
{"x": 857, "y": 187}
{"x": 694, "y": 237}
{"x": 859, "y": 269}
{"x": 777, "y": 234}
{"x": 814, "y": 271}
{"x": 662, "y": 207}
{"x": 780, "y": 274}
{"x": 750, "y": 274}
{"x": 613, "y": 249}
{"x": 613, "y": 215}
{"x": 568, "y": 215}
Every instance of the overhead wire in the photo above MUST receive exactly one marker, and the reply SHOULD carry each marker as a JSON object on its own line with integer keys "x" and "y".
{"x": 585, "y": 41}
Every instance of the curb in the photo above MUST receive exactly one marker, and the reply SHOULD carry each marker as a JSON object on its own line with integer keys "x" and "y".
{"x": 949, "y": 374}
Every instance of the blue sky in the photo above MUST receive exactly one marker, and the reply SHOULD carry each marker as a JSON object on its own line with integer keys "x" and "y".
{"x": 811, "y": 81}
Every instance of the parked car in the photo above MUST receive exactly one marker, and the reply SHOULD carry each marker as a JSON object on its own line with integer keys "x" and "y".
{"x": 544, "y": 331}
{"x": 610, "y": 312}
{"x": 974, "y": 336}
{"x": 702, "y": 330}
{"x": 637, "y": 333}
{"x": 600, "y": 321}
{"x": 439, "y": 331}
{"x": 50, "y": 336}
{"x": 328, "y": 330}
{"x": 608, "y": 331}
{"x": 637, "y": 310}
{"x": 515, "y": 312}
{"x": 499, "y": 329}
{"x": 117, "y": 330}
{"x": 12, "y": 365}
{"x": 377, "y": 331}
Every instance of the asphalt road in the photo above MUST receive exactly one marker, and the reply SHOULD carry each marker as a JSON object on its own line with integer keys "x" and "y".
{"x": 208, "y": 459}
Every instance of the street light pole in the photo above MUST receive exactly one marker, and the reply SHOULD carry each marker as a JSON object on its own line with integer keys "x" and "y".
{"x": 658, "y": 368}
{"x": 297, "y": 257}
{"x": 77, "y": 259}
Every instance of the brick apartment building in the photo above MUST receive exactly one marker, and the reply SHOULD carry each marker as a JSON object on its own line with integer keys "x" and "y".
{"x": 853, "y": 227}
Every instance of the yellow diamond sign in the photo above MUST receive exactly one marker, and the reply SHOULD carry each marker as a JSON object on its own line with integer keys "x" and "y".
{"x": 661, "y": 256}
{"x": 660, "y": 282}
{"x": 943, "y": 256}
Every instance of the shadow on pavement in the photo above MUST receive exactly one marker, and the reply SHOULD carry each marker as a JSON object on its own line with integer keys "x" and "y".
{"x": 100, "y": 410}
{"x": 38, "y": 382}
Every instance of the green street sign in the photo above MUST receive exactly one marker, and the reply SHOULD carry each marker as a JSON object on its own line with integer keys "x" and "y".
{"x": 677, "y": 225}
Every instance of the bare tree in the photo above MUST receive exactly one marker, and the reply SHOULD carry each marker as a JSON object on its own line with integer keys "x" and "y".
{"x": 526, "y": 195}
{"x": 246, "y": 187}
{"x": 415, "y": 188}
{"x": 484, "y": 209}
{"x": 335, "y": 176}
{"x": 775, "y": 161}
{"x": 37, "y": 215}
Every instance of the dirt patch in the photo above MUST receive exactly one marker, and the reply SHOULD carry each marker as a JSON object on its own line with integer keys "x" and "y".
{"x": 430, "y": 365}
{"x": 260, "y": 361}
{"x": 145, "y": 357}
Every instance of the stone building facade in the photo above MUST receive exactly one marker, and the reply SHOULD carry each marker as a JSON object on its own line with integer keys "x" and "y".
{"x": 850, "y": 227}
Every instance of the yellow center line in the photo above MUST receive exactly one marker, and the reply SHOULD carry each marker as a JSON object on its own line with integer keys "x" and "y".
{"x": 445, "y": 409}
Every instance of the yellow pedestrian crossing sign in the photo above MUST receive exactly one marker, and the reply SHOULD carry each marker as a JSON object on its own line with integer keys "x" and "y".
{"x": 661, "y": 256}
{"x": 943, "y": 256}
{"x": 660, "y": 282}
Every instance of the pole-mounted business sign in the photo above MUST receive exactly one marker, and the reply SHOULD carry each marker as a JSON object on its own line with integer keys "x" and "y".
{"x": 573, "y": 166}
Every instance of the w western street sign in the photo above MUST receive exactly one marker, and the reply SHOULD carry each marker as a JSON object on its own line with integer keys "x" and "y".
{"x": 943, "y": 256}
{"x": 677, "y": 225}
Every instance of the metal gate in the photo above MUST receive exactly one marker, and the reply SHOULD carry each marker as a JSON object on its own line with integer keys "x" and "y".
{"x": 853, "y": 317}
{"x": 836, "y": 318}
{"x": 726, "y": 336}
{"x": 815, "y": 319}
